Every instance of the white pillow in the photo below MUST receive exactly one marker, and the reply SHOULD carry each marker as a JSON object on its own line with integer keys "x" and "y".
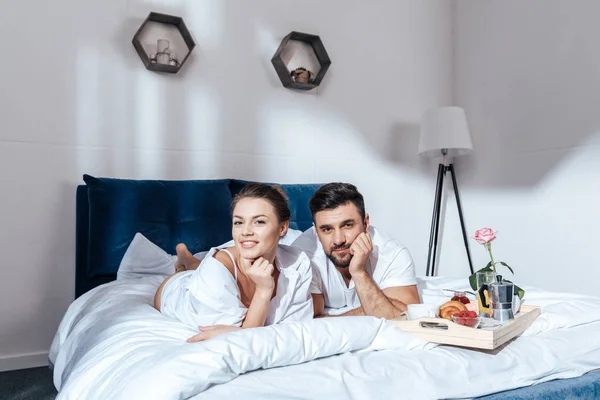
{"x": 144, "y": 258}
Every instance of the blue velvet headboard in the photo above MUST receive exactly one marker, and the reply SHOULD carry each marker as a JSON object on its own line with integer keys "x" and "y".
{"x": 196, "y": 212}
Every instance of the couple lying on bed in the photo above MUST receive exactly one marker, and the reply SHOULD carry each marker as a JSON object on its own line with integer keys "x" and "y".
{"x": 340, "y": 263}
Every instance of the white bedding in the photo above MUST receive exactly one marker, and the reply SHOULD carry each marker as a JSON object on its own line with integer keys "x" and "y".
{"x": 112, "y": 344}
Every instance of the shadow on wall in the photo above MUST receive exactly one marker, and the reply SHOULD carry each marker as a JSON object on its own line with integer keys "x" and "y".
{"x": 403, "y": 147}
{"x": 502, "y": 160}
{"x": 186, "y": 125}
{"x": 531, "y": 93}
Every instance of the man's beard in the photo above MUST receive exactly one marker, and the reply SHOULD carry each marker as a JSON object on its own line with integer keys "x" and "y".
{"x": 338, "y": 262}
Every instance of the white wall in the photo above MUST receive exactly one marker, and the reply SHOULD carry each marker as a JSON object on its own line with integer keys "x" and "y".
{"x": 76, "y": 99}
{"x": 528, "y": 75}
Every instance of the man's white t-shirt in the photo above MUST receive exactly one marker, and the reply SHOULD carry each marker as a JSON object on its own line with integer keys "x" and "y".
{"x": 390, "y": 264}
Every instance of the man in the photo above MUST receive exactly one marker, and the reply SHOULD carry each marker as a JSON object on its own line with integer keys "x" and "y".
{"x": 355, "y": 266}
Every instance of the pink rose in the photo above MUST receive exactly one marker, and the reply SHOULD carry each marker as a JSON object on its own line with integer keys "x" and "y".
{"x": 485, "y": 235}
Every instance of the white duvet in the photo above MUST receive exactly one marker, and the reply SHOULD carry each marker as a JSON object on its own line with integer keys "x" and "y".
{"x": 112, "y": 344}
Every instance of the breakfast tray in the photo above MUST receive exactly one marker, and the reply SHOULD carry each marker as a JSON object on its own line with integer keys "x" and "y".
{"x": 447, "y": 332}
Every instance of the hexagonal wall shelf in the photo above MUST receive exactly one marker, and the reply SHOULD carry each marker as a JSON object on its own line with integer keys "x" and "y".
{"x": 301, "y": 61}
{"x": 163, "y": 43}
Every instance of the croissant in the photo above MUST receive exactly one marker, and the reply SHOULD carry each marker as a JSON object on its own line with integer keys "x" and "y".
{"x": 450, "y": 308}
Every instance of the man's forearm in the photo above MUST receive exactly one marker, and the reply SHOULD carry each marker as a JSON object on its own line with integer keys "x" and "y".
{"x": 357, "y": 312}
{"x": 353, "y": 313}
{"x": 372, "y": 299}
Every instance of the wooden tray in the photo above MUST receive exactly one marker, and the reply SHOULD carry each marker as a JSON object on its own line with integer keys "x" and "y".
{"x": 459, "y": 335}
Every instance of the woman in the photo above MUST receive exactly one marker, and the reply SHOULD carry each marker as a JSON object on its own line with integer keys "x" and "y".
{"x": 254, "y": 283}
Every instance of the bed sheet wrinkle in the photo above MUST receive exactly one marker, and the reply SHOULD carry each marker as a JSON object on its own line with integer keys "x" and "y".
{"x": 133, "y": 341}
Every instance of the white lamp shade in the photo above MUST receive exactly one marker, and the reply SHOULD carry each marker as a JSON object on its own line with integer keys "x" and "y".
{"x": 445, "y": 128}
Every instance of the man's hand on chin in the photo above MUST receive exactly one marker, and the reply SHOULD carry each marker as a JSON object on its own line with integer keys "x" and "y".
{"x": 361, "y": 251}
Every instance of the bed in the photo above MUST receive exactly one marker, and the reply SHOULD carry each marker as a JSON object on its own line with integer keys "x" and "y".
{"x": 112, "y": 343}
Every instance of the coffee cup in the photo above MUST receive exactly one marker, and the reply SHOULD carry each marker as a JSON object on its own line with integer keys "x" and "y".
{"x": 416, "y": 311}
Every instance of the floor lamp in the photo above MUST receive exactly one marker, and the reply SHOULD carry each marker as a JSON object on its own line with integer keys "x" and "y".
{"x": 445, "y": 135}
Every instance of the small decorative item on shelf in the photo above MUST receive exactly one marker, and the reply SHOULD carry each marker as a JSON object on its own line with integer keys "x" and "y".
{"x": 301, "y": 75}
{"x": 163, "y": 53}
{"x": 301, "y": 78}
{"x": 482, "y": 280}
{"x": 178, "y": 38}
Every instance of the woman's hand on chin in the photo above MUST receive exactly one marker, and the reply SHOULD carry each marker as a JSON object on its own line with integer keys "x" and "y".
{"x": 261, "y": 273}
{"x": 209, "y": 332}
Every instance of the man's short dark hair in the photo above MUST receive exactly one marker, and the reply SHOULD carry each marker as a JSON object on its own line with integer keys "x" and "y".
{"x": 333, "y": 195}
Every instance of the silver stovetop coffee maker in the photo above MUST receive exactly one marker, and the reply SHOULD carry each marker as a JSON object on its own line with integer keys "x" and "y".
{"x": 502, "y": 299}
